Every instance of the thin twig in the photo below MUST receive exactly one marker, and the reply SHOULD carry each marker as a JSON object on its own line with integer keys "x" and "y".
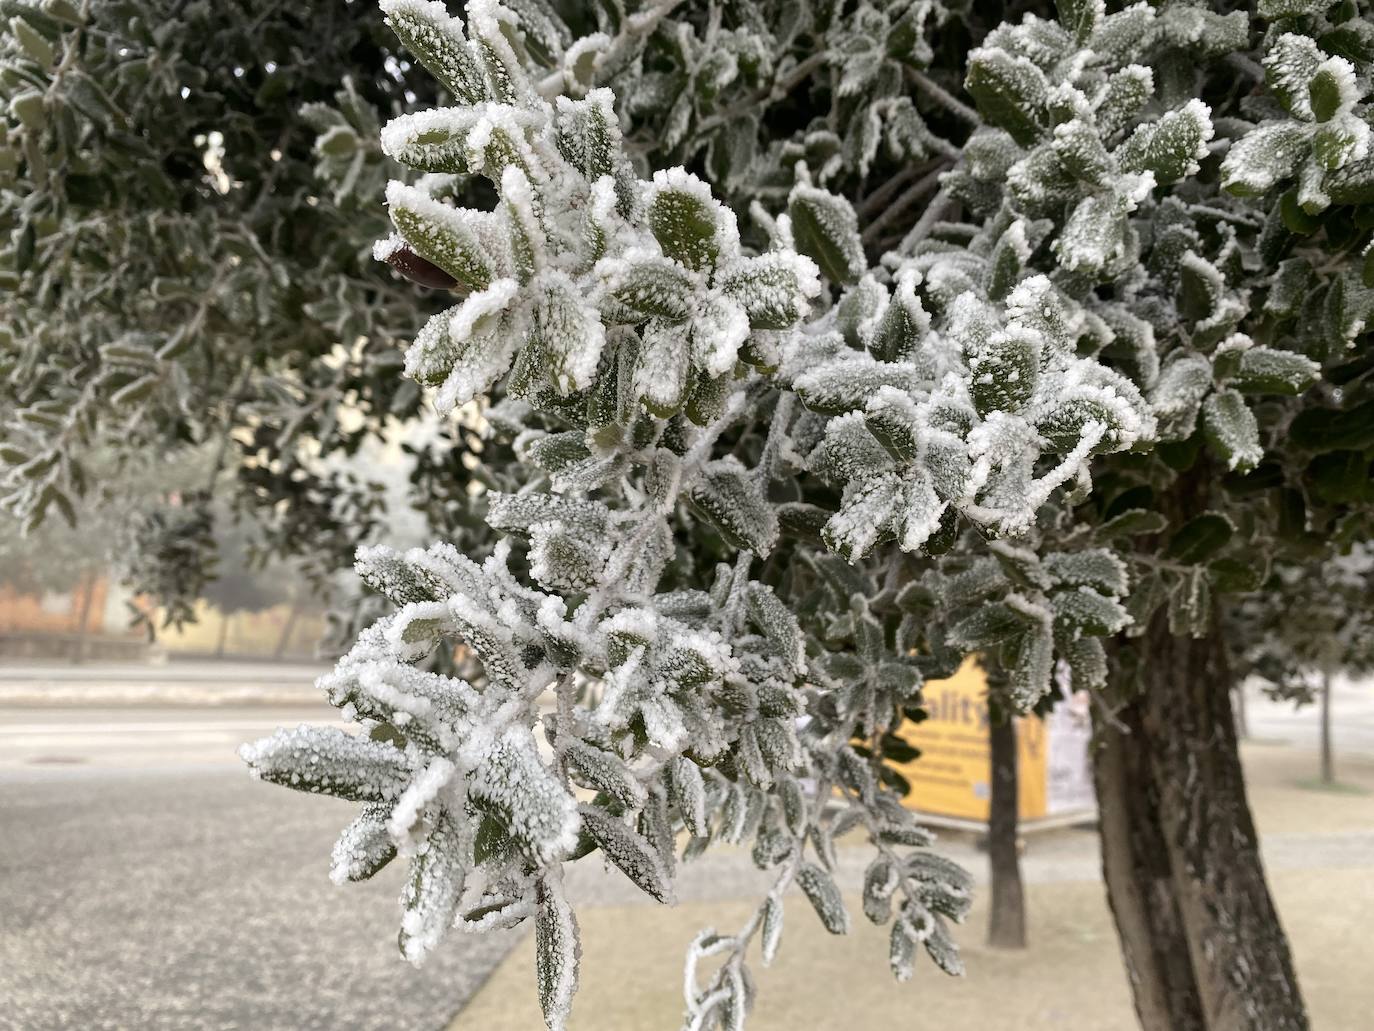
{"x": 935, "y": 211}
{"x": 942, "y": 97}
{"x": 776, "y": 91}
{"x": 915, "y": 192}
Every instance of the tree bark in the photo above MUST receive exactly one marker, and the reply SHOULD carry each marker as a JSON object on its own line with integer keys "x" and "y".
{"x": 1202, "y": 942}
{"x": 1007, "y": 921}
{"x": 223, "y": 635}
{"x": 1328, "y": 765}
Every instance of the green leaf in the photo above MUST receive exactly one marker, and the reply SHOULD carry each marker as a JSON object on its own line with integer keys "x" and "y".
{"x": 1134, "y": 522}
{"x": 636, "y": 858}
{"x": 1231, "y": 430}
{"x": 436, "y": 39}
{"x": 1200, "y": 538}
{"x": 691, "y": 226}
{"x": 557, "y": 952}
{"x": 1010, "y": 91}
{"x": 826, "y": 229}
{"x": 824, "y": 896}
{"x": 1238, "y": 575}
{"x": 1340, "y": 477}
{"x": 1334, "y": 429}
{"x": 733, "y": 501}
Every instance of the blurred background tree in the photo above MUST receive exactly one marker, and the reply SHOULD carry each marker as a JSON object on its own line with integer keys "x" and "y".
{"x": 187, "y": 199}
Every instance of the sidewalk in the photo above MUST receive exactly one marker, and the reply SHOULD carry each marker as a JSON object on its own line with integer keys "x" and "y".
{"x": 1071, "y": 978}
{"x": 175, "y": 682}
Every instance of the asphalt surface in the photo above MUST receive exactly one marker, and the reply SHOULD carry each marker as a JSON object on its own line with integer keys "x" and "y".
{"x": 146, "y": 882}
{"x": 137, "y": 900}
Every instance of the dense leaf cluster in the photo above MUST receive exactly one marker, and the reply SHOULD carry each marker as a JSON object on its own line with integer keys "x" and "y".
{"x": 801, "y": 350}
{"x": 774, "y": 472}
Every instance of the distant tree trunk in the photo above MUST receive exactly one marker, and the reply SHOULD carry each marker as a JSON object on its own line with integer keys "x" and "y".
{"x": 285, "y": 638}
{"x": 1242, "y": 721}
{"x": 83, "y": 621}
{"x": 1007, "y": 922}
{"x": 1201, "y": 939}
{"x": 223, "y": 635}
{"x": 1328, "y": 766}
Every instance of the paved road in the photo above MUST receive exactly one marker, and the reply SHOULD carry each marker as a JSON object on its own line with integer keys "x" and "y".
{"x": 166, "y": 738}
{"x": 147, "y": 883}
{"x": 181, "y": 682}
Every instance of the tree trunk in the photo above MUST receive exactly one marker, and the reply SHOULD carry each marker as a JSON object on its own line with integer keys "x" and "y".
{"x": 285, "y": 638}
{"x": 1328, "y": 766}
{"x": 1201, "y": 939}
{"x": 82, "y": 627}
{"x": 223, "y": 635}
{"x": 1007, "y": 922}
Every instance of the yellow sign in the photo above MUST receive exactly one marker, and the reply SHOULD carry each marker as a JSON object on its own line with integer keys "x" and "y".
{"x": 952, "y": 776}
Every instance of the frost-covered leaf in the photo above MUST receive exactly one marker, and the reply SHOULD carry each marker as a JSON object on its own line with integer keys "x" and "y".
{"x": 772, "y": 929}
{"x": 604, "y": 771}
{"x": 1011, "y": 92}
{"x": 514, "y": 785}
{"x": 691, "y": 225}
{"x": 449, "y": 237}
{"x": 733, "y": 501}
{"x": 1094, "y": 237}
{"x": 433, "y": 888}
{"x": 636, "y": 858}
{"x": 557, "y": 953}
{"x": 869, "y": 512}
{"x": 1200, "y": 538}
{"x": 1231, "y": 430}
{"x": 1266, "y": 370}
{"x": 775, "y": 289}
{"x": 328, "y": 761}
{"x": 1171, "y": 147}
{"x": 436, "y": 39}
{"x": 824, "y": 896}
{"x": 827, "y": 230}
{"x": 567, "y": 331}
{"x": 1263, "y": 157}
{"x": 662, "y": 375}
{"x": 650, "y": 285}
{"x": 1005, "y": 370}
{"x": 778, "y": 624}
{"x": 364, "y": 847}
{"x": 688, "y": 792}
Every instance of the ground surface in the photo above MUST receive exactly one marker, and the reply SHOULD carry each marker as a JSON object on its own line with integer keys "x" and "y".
{"x": 146, "y": 883}
{"x": 1319, "y": 850}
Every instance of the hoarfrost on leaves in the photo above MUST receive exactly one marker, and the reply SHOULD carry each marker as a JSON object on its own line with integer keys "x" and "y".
{"x": 787, "y": 442}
